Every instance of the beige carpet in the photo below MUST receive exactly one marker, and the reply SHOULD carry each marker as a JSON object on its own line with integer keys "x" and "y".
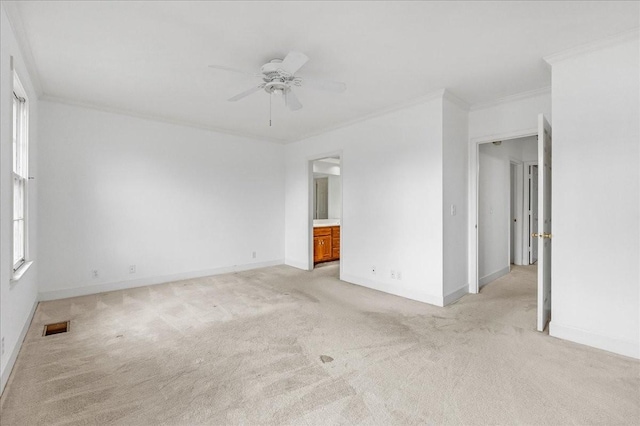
{"x": 282, "y": 346}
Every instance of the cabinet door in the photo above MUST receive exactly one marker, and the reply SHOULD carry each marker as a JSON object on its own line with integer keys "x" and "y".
{"x": 322, "y": 248}
{"x": 317, "y": 250}
{"x": 325, "y": 242}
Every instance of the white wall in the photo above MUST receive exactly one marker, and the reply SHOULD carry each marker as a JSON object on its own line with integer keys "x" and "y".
{"x": 455, "y": 181}
{"x": 174, "y": 201}
{"x": 494, "y": 203}
{"x": 595, "y": 218}
{"x": 392, "y": 200}
{"x": 510, "y": 116}
{"x": 335, "y": 197}
{"x": 324, "y": 168}
{"x": 17, "y": 299}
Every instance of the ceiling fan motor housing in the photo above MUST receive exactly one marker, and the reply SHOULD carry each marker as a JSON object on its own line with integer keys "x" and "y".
{"x": 277, "y": 80}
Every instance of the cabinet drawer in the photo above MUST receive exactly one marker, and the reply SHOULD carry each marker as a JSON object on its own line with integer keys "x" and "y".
{"x": 335, "y": 230}
{"x": 335, "y": 253}
{"x": 335, "y": 242}
{"x": 325, "y": 230}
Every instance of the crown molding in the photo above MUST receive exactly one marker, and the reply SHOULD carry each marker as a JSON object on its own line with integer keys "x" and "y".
{"x": 161, "y": 119}
{"x": 440, "y": 93}
{"x": 15, "y": 21}
{"x": 456, "y": 100}
{"x": 512, "y": 98}
{"x": 590, "y": 47}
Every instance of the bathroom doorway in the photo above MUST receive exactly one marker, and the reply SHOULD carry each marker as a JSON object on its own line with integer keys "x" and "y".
{"x": 326, "y": 205}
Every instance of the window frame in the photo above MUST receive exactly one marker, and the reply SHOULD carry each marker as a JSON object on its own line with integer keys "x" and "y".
{"x": 20, "y": 174}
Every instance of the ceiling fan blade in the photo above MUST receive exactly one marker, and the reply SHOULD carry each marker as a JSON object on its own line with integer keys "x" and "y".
{"x": 292, "y": 101}
{"x": 245, "y": 93}
{"x": 234, "y": 70}
{"x": 326, "y": 85}
{"x": 293, "y": 62}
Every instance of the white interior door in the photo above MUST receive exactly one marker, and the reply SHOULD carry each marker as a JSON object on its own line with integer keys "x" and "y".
{"x": 544, "y": 222}
{"x": 533, "y": 214}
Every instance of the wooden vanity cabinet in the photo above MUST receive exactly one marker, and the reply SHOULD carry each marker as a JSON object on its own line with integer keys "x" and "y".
{"x": 326, "y": 244}
{"x": 335, "y": 242}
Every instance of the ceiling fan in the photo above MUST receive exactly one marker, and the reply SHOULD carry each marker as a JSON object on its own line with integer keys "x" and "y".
{"x": 278, "y": 78}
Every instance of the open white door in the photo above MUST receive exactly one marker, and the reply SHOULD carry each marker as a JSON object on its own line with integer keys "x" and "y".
{"x": 544, "y": 222}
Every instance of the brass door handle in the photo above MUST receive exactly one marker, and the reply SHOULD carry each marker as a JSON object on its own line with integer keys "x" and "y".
{"x": 541, "y": 235}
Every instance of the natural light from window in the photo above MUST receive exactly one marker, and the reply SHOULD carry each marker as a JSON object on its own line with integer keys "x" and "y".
{"x": 20, "y": 172}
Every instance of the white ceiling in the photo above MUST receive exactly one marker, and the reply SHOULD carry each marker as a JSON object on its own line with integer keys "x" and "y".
{"x": 150, "y": 58}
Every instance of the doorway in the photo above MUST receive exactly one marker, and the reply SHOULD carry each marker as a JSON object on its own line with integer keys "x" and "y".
{"x": 326, "y": 208}
{"x": 501, "y": 206}
{"x": 478, "y": 224}
{"x": 503, "y": 223}
{"x": 517, "y": 220}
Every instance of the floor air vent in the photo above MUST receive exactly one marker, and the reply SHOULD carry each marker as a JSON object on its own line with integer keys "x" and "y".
{"x": 56, "y": 328}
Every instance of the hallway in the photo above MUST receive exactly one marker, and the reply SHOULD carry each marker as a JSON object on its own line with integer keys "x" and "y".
{"x": 511, "y": 299}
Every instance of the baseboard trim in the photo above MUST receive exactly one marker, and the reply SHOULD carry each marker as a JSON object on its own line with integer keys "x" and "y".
{"x": 16, "y": 349}
{"x": 296, "y": 264}
{"x": 142, "y": 282}
{"x": 456, "y": 295}
{"x": 492, "y": 277}
{"x": 402, "y": 292}
{"x": 584, "y": 337}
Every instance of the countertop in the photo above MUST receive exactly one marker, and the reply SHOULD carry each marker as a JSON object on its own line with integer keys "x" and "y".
{"x": 319, "y": 223}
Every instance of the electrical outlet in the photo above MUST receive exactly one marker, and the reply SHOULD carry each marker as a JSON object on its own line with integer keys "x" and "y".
{"x": 393, "y": 274}
{"x": 373, "y": 270}
{"x": 453, "y": 209}
{"x": 253, "y": 255}
{"x": 2, "y": 346}
{"x": 132, "y": 269}
{"x": 399, "y": 275}
{"x": 94, "y": 273}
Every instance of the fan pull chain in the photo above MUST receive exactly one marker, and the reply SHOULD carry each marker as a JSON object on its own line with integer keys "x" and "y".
{"x": 270, "y": 96}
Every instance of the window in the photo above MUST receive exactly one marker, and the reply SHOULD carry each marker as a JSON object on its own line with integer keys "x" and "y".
{"x": 20, "y": 173}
